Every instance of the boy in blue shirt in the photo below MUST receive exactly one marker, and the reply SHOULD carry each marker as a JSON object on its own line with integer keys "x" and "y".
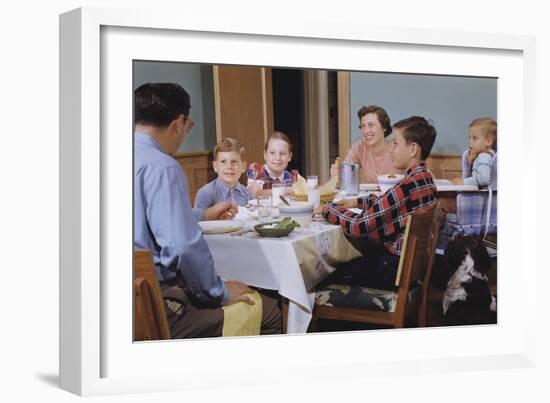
{"x": 229, "y": 165}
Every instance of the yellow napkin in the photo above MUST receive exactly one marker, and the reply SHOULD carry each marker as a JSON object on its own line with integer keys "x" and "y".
{"x": 242, "y": 319}
{"x": 329, "y": 187}
{"x": 300, "y": 187}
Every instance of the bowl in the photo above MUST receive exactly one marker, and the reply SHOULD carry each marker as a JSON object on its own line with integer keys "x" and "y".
{"x": 301, "y": 212}
{"x": 386, "y": 182}
{"x": 272, "y": 232}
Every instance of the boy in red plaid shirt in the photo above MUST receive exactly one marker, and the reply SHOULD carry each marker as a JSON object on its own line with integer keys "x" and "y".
{"x": 383, "y": 218}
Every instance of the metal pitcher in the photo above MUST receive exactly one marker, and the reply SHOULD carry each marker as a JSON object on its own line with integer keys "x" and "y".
{"x": 349, "y": 177}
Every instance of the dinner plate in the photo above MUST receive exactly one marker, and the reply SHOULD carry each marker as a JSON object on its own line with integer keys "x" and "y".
{"x": 369, "y": 186}
{"x": 219, "y": 227}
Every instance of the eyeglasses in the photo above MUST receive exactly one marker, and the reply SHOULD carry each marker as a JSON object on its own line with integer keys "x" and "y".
{"x": 188, "y": 119}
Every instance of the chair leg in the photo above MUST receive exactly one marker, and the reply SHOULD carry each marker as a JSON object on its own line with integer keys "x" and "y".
{"x": 423, "y": 311}
{"x": 313, "y": 325}
{"x": 284, "y": 313}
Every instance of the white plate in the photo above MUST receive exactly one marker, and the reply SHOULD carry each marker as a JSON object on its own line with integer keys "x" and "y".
{"x": 219, "y": 227}
{"x": 369, "y": 186}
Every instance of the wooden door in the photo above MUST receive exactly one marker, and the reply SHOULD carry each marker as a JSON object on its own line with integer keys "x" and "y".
{"x": 244, "y": 107}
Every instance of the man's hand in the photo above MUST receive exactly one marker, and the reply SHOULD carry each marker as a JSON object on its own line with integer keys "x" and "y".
{"x": 457, "y": 181}
{"x": 237, "y": 291}
{"x": 221, "y": 211}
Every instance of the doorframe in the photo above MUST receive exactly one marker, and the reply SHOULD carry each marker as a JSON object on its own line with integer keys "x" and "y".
{"x": 344, "y": 117}
{"x": 316, "y": 124}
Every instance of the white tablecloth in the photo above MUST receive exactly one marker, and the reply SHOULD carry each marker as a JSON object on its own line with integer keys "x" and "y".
{"x": 289, "y": 265}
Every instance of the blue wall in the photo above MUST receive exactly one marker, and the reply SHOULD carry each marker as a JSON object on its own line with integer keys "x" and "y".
{"x": 198, "y": 82}
{"x": 450, "y": 102}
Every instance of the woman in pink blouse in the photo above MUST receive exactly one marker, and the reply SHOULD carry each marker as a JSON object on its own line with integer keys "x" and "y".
{"x": 372, "y": 152}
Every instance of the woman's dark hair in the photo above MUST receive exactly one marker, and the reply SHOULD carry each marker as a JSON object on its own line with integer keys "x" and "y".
{"x": 382, "y": 115}
{"x": 159, "y": 104}
{"x": 416, "y": 129}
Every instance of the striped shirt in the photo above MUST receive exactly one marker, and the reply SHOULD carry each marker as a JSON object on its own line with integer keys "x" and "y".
{"x": 384, "y": 217}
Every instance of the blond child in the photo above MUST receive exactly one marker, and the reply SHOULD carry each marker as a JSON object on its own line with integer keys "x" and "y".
{"x": 479, "y": 158}
{"x": 229, "y": 165}
{"x": 277, "y": 155}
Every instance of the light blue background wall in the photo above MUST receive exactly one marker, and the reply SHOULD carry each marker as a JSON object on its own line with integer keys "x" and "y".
{"x": 450, "y": 102}
{"x": 198, "y": 82}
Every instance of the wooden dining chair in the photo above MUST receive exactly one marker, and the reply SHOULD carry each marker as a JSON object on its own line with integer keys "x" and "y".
{"x": 390, "y": 308}
{"x": 150, "y": 322}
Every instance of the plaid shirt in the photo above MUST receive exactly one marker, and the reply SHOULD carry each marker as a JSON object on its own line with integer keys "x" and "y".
{"x": 384, "y": 217}
{"x": 257, "y": 172}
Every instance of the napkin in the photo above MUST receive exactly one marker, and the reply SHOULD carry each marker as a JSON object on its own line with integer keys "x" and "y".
{"x": 300, "y": 187}
{"x": 329, "y": 187}
{"x": 242, "y": 319}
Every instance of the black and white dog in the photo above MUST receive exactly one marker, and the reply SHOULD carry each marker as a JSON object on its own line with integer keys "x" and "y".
{"x": 468, "y": 299}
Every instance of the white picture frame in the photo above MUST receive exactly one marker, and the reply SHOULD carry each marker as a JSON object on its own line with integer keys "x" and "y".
{"x": 97, "y": 355}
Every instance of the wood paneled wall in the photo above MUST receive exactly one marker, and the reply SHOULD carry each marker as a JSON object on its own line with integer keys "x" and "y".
{"x": 244, "y": 107}
{"x": 445, "y": 166}
{"x": 198, "y": 169}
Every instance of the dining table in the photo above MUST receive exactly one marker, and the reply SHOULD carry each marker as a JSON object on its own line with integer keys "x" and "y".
{"x": 292, "y": 265}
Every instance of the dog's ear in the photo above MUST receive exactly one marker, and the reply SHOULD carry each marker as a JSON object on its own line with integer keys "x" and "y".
{"x": 456, "y": 251}
{"x": 481, "y": 256}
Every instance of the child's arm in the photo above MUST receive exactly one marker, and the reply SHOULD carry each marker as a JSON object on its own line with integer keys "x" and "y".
{"x": 481, "y": 171}
{"x": 381, "y": 216}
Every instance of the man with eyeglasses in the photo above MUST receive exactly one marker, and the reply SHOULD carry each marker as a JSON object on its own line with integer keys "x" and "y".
{"x": 166, "y": 224}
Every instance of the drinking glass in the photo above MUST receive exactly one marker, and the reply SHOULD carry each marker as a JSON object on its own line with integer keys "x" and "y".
{"x": 312, "y": 181}
{"x": 264, "y": 208}
{"x": 314, "y": 197}
{"x": 277, "y": 190}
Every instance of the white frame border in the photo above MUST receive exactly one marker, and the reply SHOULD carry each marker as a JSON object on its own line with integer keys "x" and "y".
{"x": 80, "y": 165}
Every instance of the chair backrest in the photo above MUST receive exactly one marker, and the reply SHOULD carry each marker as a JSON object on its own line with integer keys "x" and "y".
{"x": 494, "y": 172}
{"x": 150, "y": 322}
{"x": 417, "y": 255}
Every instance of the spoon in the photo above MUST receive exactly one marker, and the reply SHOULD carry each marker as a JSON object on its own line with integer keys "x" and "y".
{"x": 284, "y": 200}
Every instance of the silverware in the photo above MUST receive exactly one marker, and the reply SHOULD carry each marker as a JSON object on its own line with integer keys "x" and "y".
{"x": 242, "y": 232}
{"x": 284, "y": 200}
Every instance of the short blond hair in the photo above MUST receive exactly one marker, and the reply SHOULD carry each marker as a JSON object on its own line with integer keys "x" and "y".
{"x": 488, "y": 128}
{"x": 228, "y": 144}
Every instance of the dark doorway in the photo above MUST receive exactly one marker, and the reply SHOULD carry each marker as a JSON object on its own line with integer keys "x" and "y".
{"x": 288, "y": 111}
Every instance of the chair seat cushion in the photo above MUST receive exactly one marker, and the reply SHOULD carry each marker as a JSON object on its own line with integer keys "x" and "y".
{"x": 351, "y": 296}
